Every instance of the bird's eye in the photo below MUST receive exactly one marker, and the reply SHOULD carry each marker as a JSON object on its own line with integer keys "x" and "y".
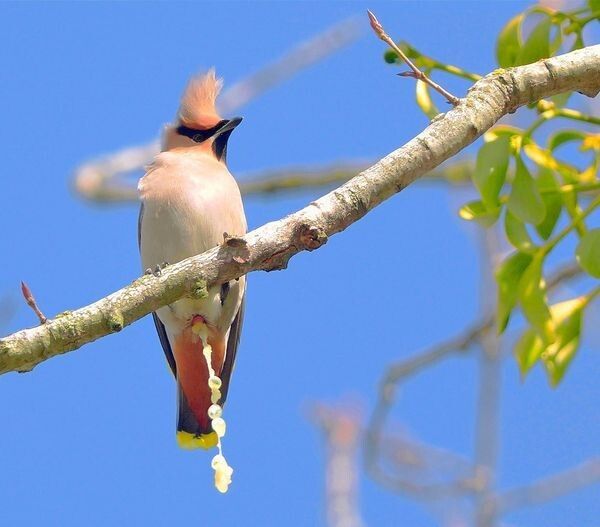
{"x": 197, "y": 138}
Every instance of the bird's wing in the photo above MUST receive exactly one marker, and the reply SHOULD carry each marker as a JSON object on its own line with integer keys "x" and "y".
{"x": 164, "y": 342}
{"x": 160, "y": 328}
{"x": 140, "y": 218}
{"x": 232, "y": 344}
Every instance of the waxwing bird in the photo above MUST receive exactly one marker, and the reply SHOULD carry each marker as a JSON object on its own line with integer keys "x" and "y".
{"x": 189, "y": 200}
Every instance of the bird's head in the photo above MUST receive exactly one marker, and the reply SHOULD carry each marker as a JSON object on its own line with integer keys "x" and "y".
{"x": 198, "y": 122}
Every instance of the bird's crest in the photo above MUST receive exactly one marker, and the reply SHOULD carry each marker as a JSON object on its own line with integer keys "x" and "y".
{"x": 197, "y": 109}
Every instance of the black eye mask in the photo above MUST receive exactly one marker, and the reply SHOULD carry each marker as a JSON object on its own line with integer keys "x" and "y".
{"x": 220, "y": 131}
{"x": 198, "y": 136}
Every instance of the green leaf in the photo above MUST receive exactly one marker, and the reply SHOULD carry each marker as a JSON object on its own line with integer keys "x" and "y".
{"x": 424, "y": 100}
{"x": 565, "y": 136}
{"x": 559, "y": 355}
{"x": 528, "y": 350}
{"x": 390, "y": 56}
{"x": 508, "y": 44}
{"x": 578, "y": 44}
{"x": 589, "y": 174}
{"x": 517, "y": 234}
{"x": 490, "y": 170}
{"x": 588, "y": 252}
{"x": 421, "y": 61}
{"x": 409, "y": 51}
{"x": 561, "y": 99}
{"x": 591, "y": 142}
{"x": 508, "y": 276}
{"x": 556, "y": 42}
{"x": 570, "y": 202}
{"x": 532, "y": 296}
{"x": 545, "y": 158}
{"x": 537, "y": 45}
{"x": 552, "y": 200}
{"x": 525, "y": 201}
{"x": 540, "y": 156}
{"x": 476, "y": 210}
{"x": 594, "y": 5}
{"x": 502, "y": 130}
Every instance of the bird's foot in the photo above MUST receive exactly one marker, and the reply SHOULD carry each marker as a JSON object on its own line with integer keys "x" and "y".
{"x": 158, "y": 269}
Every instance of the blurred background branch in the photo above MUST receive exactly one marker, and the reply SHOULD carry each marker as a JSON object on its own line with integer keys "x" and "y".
{"x": 341, "y": 434}
{"x": 548, "y": 488}
{"x": 436, "y": 476}
{"x": 109, "y": 179}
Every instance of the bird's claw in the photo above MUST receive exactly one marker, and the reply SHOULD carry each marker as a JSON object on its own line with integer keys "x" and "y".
{"x": 158, "y": 268}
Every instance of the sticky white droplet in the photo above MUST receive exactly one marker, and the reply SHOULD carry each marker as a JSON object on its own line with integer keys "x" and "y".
{"x": 214, "y": 411}
{"x": 217, "y": 460}
{"x": 207, "y": 350}
{"x": 223, "y": 474}
{"x": 214, "y": 382}
{"x": 219, "y": 464}
{"x": 219, "y": 426}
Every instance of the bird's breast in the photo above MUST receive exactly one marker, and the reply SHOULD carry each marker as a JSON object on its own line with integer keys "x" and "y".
{"x": 187, "y": 206}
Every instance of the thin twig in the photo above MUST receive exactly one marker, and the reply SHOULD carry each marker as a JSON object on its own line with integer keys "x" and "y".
{"x": 416, "y": 72}
{"x": 32, "y": 303}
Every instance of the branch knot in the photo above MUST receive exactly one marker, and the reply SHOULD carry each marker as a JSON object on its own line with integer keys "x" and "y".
{"x": 115, "y": 320}
{"x": 312, "y": 237}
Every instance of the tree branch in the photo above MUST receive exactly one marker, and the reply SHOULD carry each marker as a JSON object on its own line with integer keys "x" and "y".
{"x": 272, "y": 245}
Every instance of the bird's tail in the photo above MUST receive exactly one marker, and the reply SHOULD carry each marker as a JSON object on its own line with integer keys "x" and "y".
{"x": 190, "y": 432}
{"x": 193, "y": 393}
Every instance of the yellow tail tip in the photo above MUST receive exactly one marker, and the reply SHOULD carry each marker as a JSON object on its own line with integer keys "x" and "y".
{"x": 191, "y": 441}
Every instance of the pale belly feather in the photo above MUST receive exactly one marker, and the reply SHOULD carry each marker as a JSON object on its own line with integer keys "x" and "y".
{"x": 182, "y": 217}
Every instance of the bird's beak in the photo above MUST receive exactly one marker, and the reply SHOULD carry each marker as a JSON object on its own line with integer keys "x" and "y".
{"x": 228, "y": 126}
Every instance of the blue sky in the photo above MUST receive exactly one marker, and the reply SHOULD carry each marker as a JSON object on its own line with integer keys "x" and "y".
{"x": 88, "y": 438}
